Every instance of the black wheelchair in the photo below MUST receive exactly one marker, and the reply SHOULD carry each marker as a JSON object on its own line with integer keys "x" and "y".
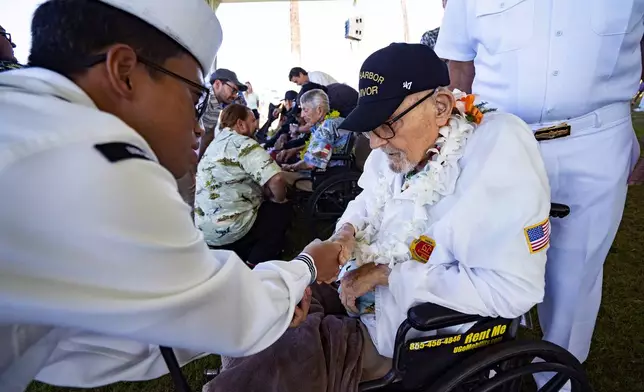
{"x": 487, "y": 357}
{"x": 333, "y": 189}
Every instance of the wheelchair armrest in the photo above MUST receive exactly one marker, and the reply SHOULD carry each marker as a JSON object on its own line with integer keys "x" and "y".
{"x": 429, "y": 317}
{"x": 341, "y": 157}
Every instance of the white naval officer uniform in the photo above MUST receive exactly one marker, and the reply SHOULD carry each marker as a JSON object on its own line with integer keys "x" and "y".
{"x": 482, "y": 263}
{"x": 100, "y": 262}
{"x": 549, "y": 62}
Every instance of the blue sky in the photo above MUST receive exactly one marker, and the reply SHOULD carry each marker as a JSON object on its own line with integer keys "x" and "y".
{"x": 257, "y": 35}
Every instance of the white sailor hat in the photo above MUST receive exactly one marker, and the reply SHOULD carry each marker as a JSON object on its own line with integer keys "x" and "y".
{"x": 191, "y": 23}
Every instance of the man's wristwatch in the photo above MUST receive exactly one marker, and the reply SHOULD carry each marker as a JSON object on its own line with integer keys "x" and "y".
{"x": 308, "y": 260}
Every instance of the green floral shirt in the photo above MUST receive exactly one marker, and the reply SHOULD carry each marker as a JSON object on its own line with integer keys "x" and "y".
{"x": 230, "y": 180}
{"x": 9, "y": 65}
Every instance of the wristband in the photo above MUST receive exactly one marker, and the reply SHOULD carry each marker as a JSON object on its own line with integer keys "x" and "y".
{"x": 308, "y": 260}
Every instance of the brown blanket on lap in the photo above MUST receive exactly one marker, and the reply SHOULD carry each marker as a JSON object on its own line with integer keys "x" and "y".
{"x": 321, "y": 355}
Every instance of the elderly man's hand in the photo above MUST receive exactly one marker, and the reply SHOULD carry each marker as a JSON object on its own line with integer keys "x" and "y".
{"x": 282, "y": 156}
{"x": 360, "y": 281}
{"x": 302, "y": 309}
{"x": 345, "y": 236}
{"x": 325, "y": 255}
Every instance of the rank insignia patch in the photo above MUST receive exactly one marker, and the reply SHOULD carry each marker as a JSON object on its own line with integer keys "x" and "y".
{"x": 422, "y": 248}
{"x": 118, "y": 151}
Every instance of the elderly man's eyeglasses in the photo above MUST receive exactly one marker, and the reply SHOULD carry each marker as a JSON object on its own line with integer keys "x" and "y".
{"x": 8, "y": 38}
{"x": 204, "y": 92}
{"x": 386, "y": 130}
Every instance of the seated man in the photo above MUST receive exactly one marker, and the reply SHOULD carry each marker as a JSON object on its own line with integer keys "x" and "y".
{"x": 326, "y": 139}
{"x": 342, "y": 98}
{"x": 7, "y": 58}
{"x": 283, "y": 112}
{"x": 240, "y": 201}
{"x": 452, "y": 212}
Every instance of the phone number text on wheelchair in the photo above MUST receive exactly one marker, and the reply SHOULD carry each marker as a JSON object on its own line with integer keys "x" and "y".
{"x": 471, "y": 341}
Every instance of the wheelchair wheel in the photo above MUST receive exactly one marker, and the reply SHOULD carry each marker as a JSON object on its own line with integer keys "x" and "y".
{"x": 508, "y": 367}
{"x": 329, "y": 200}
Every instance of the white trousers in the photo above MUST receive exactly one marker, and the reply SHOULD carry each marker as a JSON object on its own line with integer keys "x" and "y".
{"x": 588, "y": 171}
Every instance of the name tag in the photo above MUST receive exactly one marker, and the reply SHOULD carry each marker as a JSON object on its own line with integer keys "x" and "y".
{"x": 421, "y": 248}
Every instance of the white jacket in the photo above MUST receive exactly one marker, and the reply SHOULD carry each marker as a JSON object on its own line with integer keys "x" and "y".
{"x": 482, "y": 263}
{"x": 100, "y": 262}
{"x": 322, "y": 78}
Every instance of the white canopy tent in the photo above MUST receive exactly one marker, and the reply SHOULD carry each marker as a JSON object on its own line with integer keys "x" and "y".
{"x": 263, "y": 39}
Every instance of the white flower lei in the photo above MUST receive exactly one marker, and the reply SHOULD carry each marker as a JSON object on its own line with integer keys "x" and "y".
{"x": 436, "y": 180}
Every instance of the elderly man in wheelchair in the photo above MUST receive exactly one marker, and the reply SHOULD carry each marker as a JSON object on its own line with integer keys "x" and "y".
{"x": 444, "y": 251}
{"x": 325, "y": 141}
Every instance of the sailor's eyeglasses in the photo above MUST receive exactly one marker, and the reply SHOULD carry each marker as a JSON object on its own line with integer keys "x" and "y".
{"x": 204, "y": 92}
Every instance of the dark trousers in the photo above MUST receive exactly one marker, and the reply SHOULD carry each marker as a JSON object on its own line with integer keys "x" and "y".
{"x": 266, "y": 239}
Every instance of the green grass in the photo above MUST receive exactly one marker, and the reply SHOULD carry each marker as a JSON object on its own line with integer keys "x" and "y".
{"x": 616, "y": 361}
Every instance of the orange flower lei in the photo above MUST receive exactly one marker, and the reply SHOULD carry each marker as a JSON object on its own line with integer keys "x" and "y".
{"x": 474, "y": 113}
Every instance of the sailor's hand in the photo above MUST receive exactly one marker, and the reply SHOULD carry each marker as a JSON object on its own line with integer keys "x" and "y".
{"x": 326, "y": 255}
{"x": 302, "y": 309}
{"x": 345, "y": 236}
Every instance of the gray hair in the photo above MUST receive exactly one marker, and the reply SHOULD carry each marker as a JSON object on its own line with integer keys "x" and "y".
{"x": 317, "y": 99}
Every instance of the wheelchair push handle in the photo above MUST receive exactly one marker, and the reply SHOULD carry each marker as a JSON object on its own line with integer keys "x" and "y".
{"x": 559, "y": 210}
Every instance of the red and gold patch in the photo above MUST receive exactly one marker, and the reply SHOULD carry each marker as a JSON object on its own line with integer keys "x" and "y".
{"x": 421, "y": 248}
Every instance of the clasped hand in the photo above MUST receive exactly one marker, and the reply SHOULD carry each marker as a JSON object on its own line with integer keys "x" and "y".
{"x": 358, "y": 282}
{"x": 326, "y": 255}
{"x": 329, "y": 256}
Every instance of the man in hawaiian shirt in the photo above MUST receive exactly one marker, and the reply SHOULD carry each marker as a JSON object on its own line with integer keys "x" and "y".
{"x": 430, "y": 37}
{"x": 7, "y": 58}
{"x": 240, "y": 200}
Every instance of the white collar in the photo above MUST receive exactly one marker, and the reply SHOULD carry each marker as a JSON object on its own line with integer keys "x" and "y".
{"x": 40, "y": 81}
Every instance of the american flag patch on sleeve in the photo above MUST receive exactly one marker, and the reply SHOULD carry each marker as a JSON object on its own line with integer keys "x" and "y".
{"x": 538, "y": 236}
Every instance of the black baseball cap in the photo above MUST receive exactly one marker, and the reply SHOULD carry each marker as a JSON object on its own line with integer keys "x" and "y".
{"x": 308, "y": 87}
{"x": 388, "y": 76}
{"x": 290, "y": 95}
{"x": 228, "y": 75}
